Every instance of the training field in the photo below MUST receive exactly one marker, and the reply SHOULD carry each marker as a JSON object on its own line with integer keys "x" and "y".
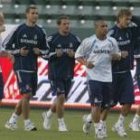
{"x": 74, "y": 123}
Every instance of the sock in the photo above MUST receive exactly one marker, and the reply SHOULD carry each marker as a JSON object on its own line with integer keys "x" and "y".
{"x": 121, "y": 119}
{"x": 136, "y": 118}
{"x": 89, "y": 118}
{"x": 49, "y": 113}
{"x": 27, "y": 121}
{"x": 103, "y": 123}
{"x": 13, "y": 118}
{"x": 61, "y": 120}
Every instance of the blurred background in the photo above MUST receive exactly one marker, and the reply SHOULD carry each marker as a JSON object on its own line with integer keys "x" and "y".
{"x": 82, "y": 12}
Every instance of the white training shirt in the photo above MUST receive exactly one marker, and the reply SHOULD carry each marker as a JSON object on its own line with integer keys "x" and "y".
{"x": 99, "y": 52}
{"x": 0, "y": 50}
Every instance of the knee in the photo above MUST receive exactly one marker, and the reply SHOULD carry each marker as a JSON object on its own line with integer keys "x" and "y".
{"x": 26, "y": 96}
{"x": 61, "y": 98}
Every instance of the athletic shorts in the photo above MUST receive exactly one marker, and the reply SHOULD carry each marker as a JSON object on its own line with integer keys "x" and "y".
{"x": 27, "y": 82}
{"x": 99, "y": 93}
{"x": 122, "y": 88}
{"x": 1, "y": 86}
{"x": 61, "y": 86}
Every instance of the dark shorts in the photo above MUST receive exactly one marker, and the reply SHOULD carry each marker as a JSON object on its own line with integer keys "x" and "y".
{"x": 122, "y": 88}
{"x": 27, "y": 82}
{"x": 99, "y": 93}
{"x": 61, "y": 86}
{"x": 1, "y": 86}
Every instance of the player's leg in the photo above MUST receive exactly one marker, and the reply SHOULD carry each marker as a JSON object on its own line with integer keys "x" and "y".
{"x": 47, "y": 115}
{"x": 87, "y": 119}
{"x": 25, "y": 105}
{"x": 12, "y": 122}
{"x": 105, "y": 106}
{"x": 127, "y": 98}
{"x": 1, "y": 88}
{"x": 117, "y": 86}
{"x": 134, "y": 125}
{"x": 64, "y": 86}
{"x": 27, "y": 90}
{"x": 96, "y": 98}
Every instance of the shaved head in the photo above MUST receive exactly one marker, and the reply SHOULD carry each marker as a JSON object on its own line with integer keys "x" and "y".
{"x": 98, "y": 22}
{"x": 101, "y": 29}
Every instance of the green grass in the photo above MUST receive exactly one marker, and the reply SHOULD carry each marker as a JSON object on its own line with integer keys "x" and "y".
{"x": 74, "y": 123}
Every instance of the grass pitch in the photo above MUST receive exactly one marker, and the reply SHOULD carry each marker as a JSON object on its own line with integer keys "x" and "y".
{"x": 74, "y": 123}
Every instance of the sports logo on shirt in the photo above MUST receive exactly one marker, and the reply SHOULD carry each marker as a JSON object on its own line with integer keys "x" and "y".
{"x": 59, "y": 46}
{"x": 96, "y": 100}
{"x": 96, "y": 47}
{"x": 70, "y": 45}
{"x": 120, "y": 38}
{"x": 24, "y": 35}
{"x": 127, "y": 35}
{"x": 35, "y": 37}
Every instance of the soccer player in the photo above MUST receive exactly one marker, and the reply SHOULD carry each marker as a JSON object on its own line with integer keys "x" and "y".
{"x": 96, "y": 53}
{"x": 63, "y": 45}
{"x": 26, "y": 43}
{"x": 2, "y": 54}
{"x": 134, "y": 125}
{"x": 122, "y": 87}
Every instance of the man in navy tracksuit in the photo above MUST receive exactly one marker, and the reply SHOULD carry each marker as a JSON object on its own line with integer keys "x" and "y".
{"x": 134, "y": 125}
{"x": 26, "y": 43}
{"x": 122, "y": 87}
{"x": 61, "y": 69}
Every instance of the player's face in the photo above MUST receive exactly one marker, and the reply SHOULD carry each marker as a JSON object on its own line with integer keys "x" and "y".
{"x": 102, "y": 28}
{"x": 124, "y": 21}
{"x": 64, "y": 26}
{"x": 32, "y": 16}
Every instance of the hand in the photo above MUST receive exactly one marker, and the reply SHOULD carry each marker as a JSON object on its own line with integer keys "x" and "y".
{"x": 59, "y": 52}
{"x": 24, "y": 51}
{"x": 89, "y": 64}
{"x": 36, "y": 51}
{"x": 2, "y": 28}
{"x": 124, "y": 54}
{"x": 70, "y": 53}
{"x": 116, "y": 56}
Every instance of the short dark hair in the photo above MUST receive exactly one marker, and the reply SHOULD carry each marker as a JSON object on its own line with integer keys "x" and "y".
{"x": 29, "y": 8}
{"x": 124, "y": 12}
{"x": 96, "y": 22}
{"x": 61, "y": 18}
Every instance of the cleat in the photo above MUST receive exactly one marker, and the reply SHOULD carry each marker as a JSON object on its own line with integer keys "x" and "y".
{"x": 47, "y": 121}
{"x": 12, "y": 126}
{"x": 30, "y": 127}
{"x": 134, "y": 126}
{"x": 86, "y": 125}
{"x": 119, "y": 128}
{"x": 62, "y": 127}
{"x": 99, "y": 134}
